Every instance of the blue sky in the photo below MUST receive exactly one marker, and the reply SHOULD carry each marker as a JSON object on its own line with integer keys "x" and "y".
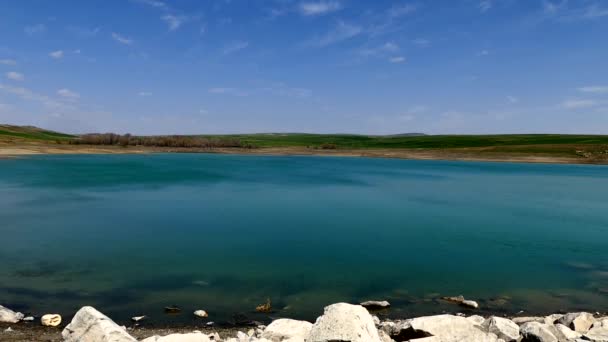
{"x": 327, "y": 66}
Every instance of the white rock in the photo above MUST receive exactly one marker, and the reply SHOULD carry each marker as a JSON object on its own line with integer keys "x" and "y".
{"x": 598, "y": 332}
{"x": 567, "y": 332}
{"x": 90, "y": 325}
{"x": 283, "y": 329}
{"x": 503, "y": 328}
{"x": 50, "y": 320}
{"x": 537, "y": 332}
{"x": 28, "y": 319}
{"x": 201, "y": 313}
{"x": 191, "y": 337}
{"x": 476, "y": 319}
{"x": 470, "y": 303}
{"x": 578, "y": 321}
{"x": 524, "y": 320}
{"x": 8, "y": 330}
{"x": 375, "y": 304}
{"x": 137, "y": 318}
{"x": 552, "y": 318}
{"x": 446, "y": 328}
{"x": 9, "y": 316}
{"x": 344, "y": 322}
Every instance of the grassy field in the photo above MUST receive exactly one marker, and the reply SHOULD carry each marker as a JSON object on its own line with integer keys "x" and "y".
{"x": 591, "y": 149}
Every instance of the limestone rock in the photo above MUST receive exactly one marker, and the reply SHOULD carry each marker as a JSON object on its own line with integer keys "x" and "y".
{"x": 567, "y": 332}
{"x": 50, "y": 320}
{"x": 460, "y": 300}
{"x": 524, "y": 320}
{"x": 476, "y": 319}
{"x": 502, "y": 327}
{"x": 375, "y": 304}
{"x": 9, "y": 316}
{"x": 578, "y": 321}
{"x": 537, "y": 332}
{"x": 344, "y": 322}
{"x": 28, "y": 319}
{"x": 283, "y": 329}
{"x": 552, "y": 318}
{"x": 191, "y": 337}
{"x": 598, "y": 332}
{"x": 445, "y": 328}
{"x": 90, "y": 325}
{"x": 201, "y": 313}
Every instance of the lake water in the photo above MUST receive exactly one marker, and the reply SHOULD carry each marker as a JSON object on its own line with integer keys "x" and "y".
{"x": 131, "y": 234}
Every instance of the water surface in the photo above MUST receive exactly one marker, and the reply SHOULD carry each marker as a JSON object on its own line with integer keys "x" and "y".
{"x": 131, "y": 234}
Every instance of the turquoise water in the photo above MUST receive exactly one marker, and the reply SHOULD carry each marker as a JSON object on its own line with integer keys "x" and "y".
{"x": 132, "y": 234}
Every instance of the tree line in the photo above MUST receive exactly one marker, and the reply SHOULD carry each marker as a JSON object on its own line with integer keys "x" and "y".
{"x": 157, "y": 141}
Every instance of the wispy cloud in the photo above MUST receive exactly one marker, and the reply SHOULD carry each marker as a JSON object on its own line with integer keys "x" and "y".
{"x": 381, "y": 50}
{"x": 234, "y": 47}
{"x": 390, "y": 21}
{"x": 319, "y": 7}
{"x": 400, "y": 11}
{"x": 485, "y": 5}
{"x": 397, "y": 59}
{"x": 83, "y": 32}
{"x": 34, "y": 29}
{"x": 342, "y": 31}
{"x": 68, "y": 94}
{"x": 29, "y": 95}
{"x": 144, "y": 93}
{"x": 483, "y": 53}
{"x": 121, "y": 39}
{"x": 512, "y": 99}
{"x": 56, "y": 54}
{"x": 594, "y": 89}
{"x": 228, "y": 91}
{"x": 8, "y": 62}
{"x": 15, "y": 76}
{"x": 578, "y": 104}
{"x": 564, "y": 10}
{"x": 421, "y": 42}
{"x": 153, "y": 3}
{"x": 173, "y": 21}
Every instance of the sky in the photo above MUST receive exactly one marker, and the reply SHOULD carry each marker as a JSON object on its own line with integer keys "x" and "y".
{"x": 317, "y": 66}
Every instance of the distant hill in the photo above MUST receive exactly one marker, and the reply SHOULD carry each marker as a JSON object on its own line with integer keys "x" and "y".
{"x": 31, "y": 132}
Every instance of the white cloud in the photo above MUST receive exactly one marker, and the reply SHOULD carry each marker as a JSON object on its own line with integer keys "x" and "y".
{"x": 15, "y": 76}
{"x": 235, "y": 47}
{"x": 319, "y": 7}
{"x": 153, "y": 3}
{"x": 121, "y": 39}
{"x": 594, "y": 89}
{"x": 56, "y": 54}
{"x": 512, "y": 99}
{"x": 83, "y": 32}
{"x": 28, "y": 95}
{"x": 578, "y": 104}
{"x": 173, "y": 22}
{"x": 421, "y": 42}
{"x": 399, "y": 11}
{"x": 398, "y": 59}
{"x": 144, "y": 93}
{"x": 8, "y": 62}
{"x": 68, "y": 94}
{"x": 343, "y": 31}
{"x": 34, "y": 29}
{"x": 228, "y": 91}
{"x": 380, "y": 50}
{"x": 485, "y": 5}
{"x": 483, "y": 53}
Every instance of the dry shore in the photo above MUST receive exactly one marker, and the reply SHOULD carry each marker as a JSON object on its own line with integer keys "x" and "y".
{"x": 523, "y": 154}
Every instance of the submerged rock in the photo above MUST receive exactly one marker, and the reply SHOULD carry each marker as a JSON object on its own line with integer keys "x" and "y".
{"x": 578, "y": 321}
{"x": 502, "y": 327}
{"x": 537, "y": 332}
{"x": 375, "y": 304}
{"x": 201, "y": 313}
{"x": 90, "y": 325}
{"x": 137, "y": 318}
{"x": 460, "y": 300}
{"x": 344, "y": 322}
{"x": 50, "y": 320}
{"x": 173, "y": 309}
{"x": 266, "y": 307}
{"x": 9, "y": 316}
{"x": 287, "y": 329}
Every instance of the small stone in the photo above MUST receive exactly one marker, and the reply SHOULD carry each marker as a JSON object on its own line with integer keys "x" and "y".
{"x": 470, "y": 303}
{"x": 137, "y": 318}
{"x": 209, "y": 324}
{"x": 250, "y": 332}
{"x": 287, "y": 329}
{"x": 527, "y": 319}
{"x": 460, "y": 300}
{"x": 8, "y": 330}
{"x": 50, "y": 320}
{"x": 28, "y": 319}
{"x": 173, "y": 309}
{"x": 201, "y": 313}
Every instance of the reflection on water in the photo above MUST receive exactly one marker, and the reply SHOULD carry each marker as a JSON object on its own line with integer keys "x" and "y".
{"x": 133, "y": 234}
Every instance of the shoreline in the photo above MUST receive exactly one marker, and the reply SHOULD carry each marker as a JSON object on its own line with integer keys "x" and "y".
{"x": 448, "y": 154}
{"x": 338, "y": 320}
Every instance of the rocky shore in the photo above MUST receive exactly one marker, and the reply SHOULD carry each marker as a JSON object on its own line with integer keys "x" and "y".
{"x": 340, "y": 322}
